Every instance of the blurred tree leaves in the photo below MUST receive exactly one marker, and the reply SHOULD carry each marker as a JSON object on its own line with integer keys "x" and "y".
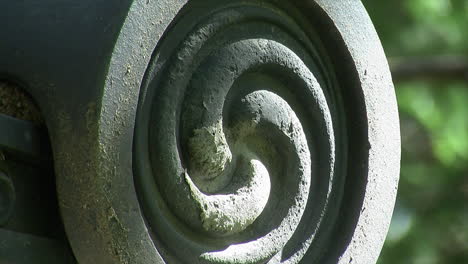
{"x": 430, "y": 223}
{"x": 444, "y": 112}
{"x": 416, "y": 27}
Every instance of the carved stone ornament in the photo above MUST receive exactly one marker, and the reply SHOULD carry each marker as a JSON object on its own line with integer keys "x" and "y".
{"x": 219, "y": 131}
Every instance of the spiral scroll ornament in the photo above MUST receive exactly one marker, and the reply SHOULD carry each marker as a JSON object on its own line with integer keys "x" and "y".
{"x": 240, "y": 143}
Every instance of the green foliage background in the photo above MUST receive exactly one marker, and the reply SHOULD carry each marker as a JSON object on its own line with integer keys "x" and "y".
{"x": 430, "y": 222}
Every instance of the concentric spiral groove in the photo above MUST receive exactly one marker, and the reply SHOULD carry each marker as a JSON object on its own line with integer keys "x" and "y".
{"x": 239, "y": 138}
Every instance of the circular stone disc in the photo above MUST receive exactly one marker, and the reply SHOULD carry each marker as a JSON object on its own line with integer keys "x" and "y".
{"x": 107, "y": 218}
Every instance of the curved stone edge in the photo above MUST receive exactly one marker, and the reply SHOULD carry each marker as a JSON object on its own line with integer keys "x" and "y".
{"x": 359, "y": 35}
{"x": 145, "y": 24}
{"x": 109, "y": 225}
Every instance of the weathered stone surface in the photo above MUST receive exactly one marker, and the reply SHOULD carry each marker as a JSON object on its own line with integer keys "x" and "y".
{"x": 222, "y": 132}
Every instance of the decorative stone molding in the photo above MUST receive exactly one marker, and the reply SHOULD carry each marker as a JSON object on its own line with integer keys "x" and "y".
{"x": 216, "y": 131}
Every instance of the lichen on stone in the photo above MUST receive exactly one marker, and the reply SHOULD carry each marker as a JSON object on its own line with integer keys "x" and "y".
{"x": 209, "y": 152}
{"x": 226, "y": 214}
{"x": 15, "y": 102}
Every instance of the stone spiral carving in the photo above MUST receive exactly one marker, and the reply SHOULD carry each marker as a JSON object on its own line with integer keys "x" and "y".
{"x": 240, "y": 149}
{"x": 212, "y": 131}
